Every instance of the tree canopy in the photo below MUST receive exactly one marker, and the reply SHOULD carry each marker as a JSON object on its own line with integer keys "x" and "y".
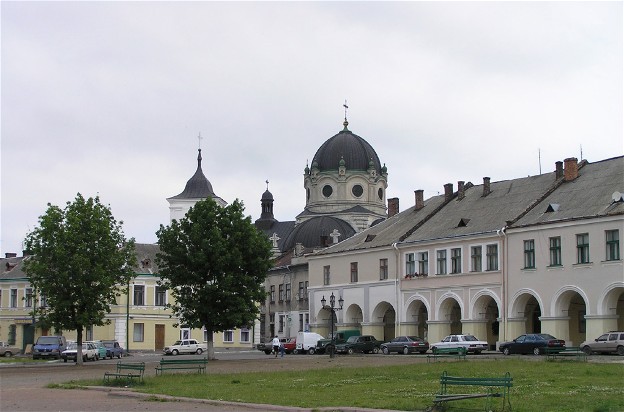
{"x": 214, "y": 262}
{"x": 80, "y": 261}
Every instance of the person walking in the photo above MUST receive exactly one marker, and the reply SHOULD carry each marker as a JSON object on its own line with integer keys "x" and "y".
{"x": 276, "y": 345}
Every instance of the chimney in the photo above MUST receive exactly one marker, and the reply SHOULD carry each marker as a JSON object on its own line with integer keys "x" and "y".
{"x": 571, "y": 169}
{"x": 486, "y": 186}
{"x": 448, "y": 191}
{"x": 558, "y": 170}
{"x": 10, "y": 255}
{"x": 460, "y": 190}
{"x": 393, "y": 206}
{"x": 420, "y": 203}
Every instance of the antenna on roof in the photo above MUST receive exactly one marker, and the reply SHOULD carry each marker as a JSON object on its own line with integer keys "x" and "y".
{"x": 539, "y": 159}
{"x": 581, "y": 152}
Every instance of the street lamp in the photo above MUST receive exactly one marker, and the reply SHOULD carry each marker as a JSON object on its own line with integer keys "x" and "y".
{"x": 332, "y": 308}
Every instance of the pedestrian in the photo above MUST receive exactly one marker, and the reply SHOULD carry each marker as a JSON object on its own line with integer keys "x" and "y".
{"x": 282, "y": 349}
{"x": 276, "y": 345}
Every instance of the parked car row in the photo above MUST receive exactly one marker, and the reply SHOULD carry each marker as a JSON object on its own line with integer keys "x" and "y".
{"x": 93, "y": 350}
{"x": 530, "y": 343}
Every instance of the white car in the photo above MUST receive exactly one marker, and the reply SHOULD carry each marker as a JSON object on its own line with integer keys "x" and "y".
{"x": 472, "y": 344}
{"x": 89, "y": 352}
{"x": 185, "y": 346}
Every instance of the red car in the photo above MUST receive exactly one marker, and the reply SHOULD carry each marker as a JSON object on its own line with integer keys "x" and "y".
{"x": 290, "y": 344}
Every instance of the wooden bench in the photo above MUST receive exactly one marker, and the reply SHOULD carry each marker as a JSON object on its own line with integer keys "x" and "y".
{"x": 494, "y": 388}
{"x": 567, "y": 352}
{"x": 197, "y": 365}
{"x": 128, "y": 371}
{"x": 437, "y": 353}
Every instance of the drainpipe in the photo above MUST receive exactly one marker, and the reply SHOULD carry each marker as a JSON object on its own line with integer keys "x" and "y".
{"x": 501, "y": 233}
{"x": 128, "y": 321}
{"x": 397, "y": 320}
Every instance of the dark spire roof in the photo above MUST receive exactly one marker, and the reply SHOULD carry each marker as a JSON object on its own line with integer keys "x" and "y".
{"x": 198, "y": 186}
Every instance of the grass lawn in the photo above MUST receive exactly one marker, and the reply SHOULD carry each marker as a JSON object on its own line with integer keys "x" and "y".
{"x": 537, "y": 386}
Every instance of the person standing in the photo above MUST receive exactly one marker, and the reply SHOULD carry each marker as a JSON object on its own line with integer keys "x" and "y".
{"x": 276, "y": 345}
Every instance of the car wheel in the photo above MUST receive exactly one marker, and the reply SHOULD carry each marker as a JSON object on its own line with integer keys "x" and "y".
{"x": 537, "y": 351}
{"x": 311, "y": 351}
{"x": 385, "y": 351}
{"x": 295, "y": 352}
{"x": 8, "y": 354}
{"x": 350, "y": 351}
{"x": 620, "y": 350}
{"x": 506, "y": 351}
{"x": 375, "y": 350}
{"x": 405, "y": 351}
{"x": 199, "y": 351}
{"x": 267, "y": 352}
{"x": 175, "y": 352}
{"x": 587, "y": 350}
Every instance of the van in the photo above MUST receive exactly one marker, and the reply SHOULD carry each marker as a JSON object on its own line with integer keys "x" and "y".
{"x": 306, "y": 342}
{"x": 49, "y": 347}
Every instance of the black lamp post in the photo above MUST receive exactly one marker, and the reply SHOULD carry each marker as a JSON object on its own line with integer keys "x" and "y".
{"x": 332, "y": 308}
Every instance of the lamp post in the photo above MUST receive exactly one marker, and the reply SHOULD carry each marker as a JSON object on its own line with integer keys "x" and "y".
{"x": 332, "y": 308}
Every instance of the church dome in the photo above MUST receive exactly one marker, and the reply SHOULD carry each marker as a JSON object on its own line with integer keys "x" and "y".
{"x": 348, "y": 149}
{"x": 198, "y": 186}
{"x": 317, "y": 232}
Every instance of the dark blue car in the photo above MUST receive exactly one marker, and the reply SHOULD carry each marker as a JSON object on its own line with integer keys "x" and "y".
{"x": 113, "y": 349}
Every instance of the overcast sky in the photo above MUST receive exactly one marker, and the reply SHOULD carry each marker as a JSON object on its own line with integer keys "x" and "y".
{"x": 108, "y": 98}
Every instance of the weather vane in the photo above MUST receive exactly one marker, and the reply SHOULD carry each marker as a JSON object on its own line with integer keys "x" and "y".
{"x": 267, "y": 182}
{"x": 345, "y": 107}
{"x": 199, "y": 139}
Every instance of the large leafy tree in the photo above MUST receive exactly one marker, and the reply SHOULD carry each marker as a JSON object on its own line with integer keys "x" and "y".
{"x": 214, "y": 262}
{"x": 81, "y": 262}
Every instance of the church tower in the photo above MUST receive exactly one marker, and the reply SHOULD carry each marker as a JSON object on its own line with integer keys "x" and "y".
{"x": 197, "y": 188}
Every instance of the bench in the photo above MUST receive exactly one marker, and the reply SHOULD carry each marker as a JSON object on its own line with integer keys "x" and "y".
{"x": 197, "y": 365}
{"x": 127, "y": 371}
{"x": 495, "y": 388}
{"x": 567, "y": 352}
{"x": 458, "y": 353}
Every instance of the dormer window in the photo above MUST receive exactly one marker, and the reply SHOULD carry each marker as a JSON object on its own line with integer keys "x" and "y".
{"x": 463, "y": 222}
{"x": 553, "y": 207}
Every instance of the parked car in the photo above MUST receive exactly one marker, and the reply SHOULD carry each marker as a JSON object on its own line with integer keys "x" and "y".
{"x": 472, "y": 344}
{"x": 186, "y": 346}
{"x": 339, "y": 337}
{"x": 290, "y": 344}
{"x": 49, "y": 347}
{"x": 89, "y": 352}
{"x": 364, "y": 343}
{"x": 101, "y": 349}
{"x": 306, "y": 342}
{"x": 7, "y": 350}
{"x": 611, "y": 342}
{"x": 405, "y": 345}
{"x": 113, "y": 349}
{"x": 531, "y": 343}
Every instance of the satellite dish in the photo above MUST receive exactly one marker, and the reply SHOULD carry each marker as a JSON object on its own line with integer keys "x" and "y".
{"x": 617, "y": 196}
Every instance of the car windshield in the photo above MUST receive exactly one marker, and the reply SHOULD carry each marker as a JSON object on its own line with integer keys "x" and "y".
{"x": 48, "y": 340}
{"x": 177, "y": 343}
{"x": 72, "y": 346}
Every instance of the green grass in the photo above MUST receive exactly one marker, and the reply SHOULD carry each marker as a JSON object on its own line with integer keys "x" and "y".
{"x": 539, "y": 385}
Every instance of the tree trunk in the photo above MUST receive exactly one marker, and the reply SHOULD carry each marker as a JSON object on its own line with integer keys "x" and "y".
{"x": 79, "y": 347}
{"x": 210, "y": 346}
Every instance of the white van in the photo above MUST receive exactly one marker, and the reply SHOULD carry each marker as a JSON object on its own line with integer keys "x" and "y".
{"x": 306, "y": 342}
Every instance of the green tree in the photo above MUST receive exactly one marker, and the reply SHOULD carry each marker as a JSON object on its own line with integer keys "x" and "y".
{"x": 214, "y": 262}
{"x": 81, "y": 262}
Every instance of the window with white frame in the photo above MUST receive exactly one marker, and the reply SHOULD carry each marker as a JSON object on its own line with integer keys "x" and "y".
{"x": 43, "y": 300}
{"x": 423, "y": 263}
{"x": 476, "y": 258}
{"x": 354, "y": 272}
{"x": 410, "y": 264}
{"x": 13, "y": 298}
{"x": 245, "y": 335}
{"x": 613, "y": 244}
{"x": 301, "y": 290}
{"x": 441, "y": 262}
{"x": 555, "y": 251}
{"x": 138, "y": 295}
{"x": 326, "y": 275}
{"x": 228, "y": 336}
{"x": 492, "y": 257}
{"x": 456, "y": 266}
{"x": 281, "y": 323}
{"x": 281, "y": 292}
{"x": 160, "y": 297}
{"x": 138, "y": 334}
{"x": 272, "y": 294}
{"x": 28, "y": 298}
{"x": 288, "y": 292}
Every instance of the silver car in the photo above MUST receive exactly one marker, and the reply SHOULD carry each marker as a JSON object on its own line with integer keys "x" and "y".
{"x": 612, "y": 342}
{"x": 472, "y": 344}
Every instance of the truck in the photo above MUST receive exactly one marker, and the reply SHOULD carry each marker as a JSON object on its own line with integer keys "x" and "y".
{"x": 7, "y": 350}
{"x": 340, "y": 336}
{"x": 185, "y": 346}
{"x": 306, "y": 342}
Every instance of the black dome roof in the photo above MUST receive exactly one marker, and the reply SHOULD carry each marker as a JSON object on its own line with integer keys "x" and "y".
{"x": 356, "y": 152}
{"x": 198, "y": 186}
{"x": 310, "y": 232}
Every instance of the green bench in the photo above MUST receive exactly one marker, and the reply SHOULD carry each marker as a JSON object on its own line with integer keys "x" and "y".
{"x": 567, "y": 352}
{"x": 491, "y": 387}
{"x": 197, "y": 365}
{"x": 126, "y": 370}
{"x": 437, "y": 353}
